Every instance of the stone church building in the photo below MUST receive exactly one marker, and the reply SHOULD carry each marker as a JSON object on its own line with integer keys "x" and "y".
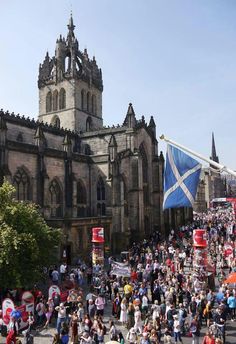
{"x": 81, "y": 173}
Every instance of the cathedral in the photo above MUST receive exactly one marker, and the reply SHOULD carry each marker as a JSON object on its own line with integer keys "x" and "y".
{"x": 81, "y": 173}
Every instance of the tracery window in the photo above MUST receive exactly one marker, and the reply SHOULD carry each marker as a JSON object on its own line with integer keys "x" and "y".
{"x": 88, "y": 102}
{"x": 88, "y": 124}
{"x": 101, "y": 198}
{"x": 49, "y": 102}
{"x": 146, "y": 200}
{"x": 62, "y": 99}
{"x": 56, "y": 121}
{"x": 55, "y": 100}
{"x": 81, "y": 200}
{"x": 21, "y": 182}
{"x": 82, "y": 100}
{"x": 94, "y": 104}
{"x": 55, "y": 199}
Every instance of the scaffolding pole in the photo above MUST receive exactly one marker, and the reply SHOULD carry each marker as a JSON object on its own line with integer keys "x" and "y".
{"x": 221, "y": 168}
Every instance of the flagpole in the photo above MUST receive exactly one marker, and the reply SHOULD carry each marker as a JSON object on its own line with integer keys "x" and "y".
{"x": 222, "y": 168}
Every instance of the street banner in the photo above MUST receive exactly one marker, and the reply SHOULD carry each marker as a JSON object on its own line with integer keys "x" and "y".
{"x": 7, "y": 307}
{"x": 98, "y": 234}
{"x": 200, "y": 238}
{"x": 120, "y": 269}
{"x": 98, "y": 254}
{"x": 53, "y": 290}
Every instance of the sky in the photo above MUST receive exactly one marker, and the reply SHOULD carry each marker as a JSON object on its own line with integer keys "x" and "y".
{"x": 174, "y": 60}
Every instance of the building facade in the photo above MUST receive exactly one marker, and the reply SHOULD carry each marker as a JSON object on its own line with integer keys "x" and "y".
{"x": 81, "y": 173}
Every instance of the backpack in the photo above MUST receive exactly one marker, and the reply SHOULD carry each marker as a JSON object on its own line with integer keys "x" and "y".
{"x": 185, "y": 314}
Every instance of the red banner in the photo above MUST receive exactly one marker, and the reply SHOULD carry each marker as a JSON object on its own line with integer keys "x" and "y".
{"x": 200, "y": 238}
{"x": 98, "y": 234}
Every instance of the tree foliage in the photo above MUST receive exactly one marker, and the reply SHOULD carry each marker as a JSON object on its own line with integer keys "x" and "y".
{"x": 27, "y": 243}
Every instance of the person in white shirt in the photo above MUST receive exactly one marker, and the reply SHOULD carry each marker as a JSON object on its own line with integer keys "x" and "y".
{"x": 63, "y": 268}
{"x": 177, "y": 334}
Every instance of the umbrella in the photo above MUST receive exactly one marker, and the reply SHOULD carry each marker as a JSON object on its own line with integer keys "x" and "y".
{"x": 231, "y": 278}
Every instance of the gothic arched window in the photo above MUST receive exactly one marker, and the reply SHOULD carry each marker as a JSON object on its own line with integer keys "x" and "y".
{"x": 55, "y": 100}
{"x": 145, "y": 174}
{"x": 88, "y": 124}
{"x": 101, "y": 198}
{"x": 49, "y": 102}
{"x": 55, "y": 198}
{"x": 134, "y": 168}
{"x": 21, "y": 182}
{"x": 124, "y": 196}
{"x": 82, "y": 100}
{"x": 81, "y": 200}
{"x": 56, "y": 121}
{"x": 62, "y": 99}
{"x": 94, "y": 104}
{"x": 88, "y": 102}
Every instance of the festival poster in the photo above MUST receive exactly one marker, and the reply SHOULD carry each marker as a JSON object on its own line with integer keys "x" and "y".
{"x": 7, "y": 307}
{"x": 54, "y": 289}
{"x": 98, "y": 234}
{"x": 199, "y": 238}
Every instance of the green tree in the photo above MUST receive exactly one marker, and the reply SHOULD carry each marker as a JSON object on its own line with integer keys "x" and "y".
{"x": 27, "y": 243}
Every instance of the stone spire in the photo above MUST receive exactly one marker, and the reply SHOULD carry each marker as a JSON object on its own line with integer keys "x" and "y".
{"x": 71, "y": 26}
{"x": 213, "y": 157}
{"x": 130, "y": 119}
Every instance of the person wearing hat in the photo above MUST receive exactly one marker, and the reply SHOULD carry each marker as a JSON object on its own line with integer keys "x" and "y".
{"x": 132, "y": 336}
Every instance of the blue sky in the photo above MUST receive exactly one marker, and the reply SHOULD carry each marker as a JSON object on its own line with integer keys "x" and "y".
{"x": 175, "y": 60}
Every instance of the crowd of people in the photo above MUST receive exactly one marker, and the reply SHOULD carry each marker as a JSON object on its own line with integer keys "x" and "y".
{"x": 167, "y": 297}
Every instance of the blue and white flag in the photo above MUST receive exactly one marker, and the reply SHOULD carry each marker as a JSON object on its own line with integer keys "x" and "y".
{"x": 181, "y": 179}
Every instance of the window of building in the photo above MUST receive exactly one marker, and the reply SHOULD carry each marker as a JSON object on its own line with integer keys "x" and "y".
{"x": 82, "y": 100}
{"x": 146, "y": 200}
{"x": 101, "y": 198}
{"x": 21, "y": 182}
{"x": 49, "y": 102}
{"x": 134, "y": 167}
{"x": 94, "y": 104}
{"x": 55, "y": 100}
{"x": 62, "y": 99}
{"x": 81, "y": 200}
{"x": 55, "y": 199}
{"x": 88, "y": 124}
{"x": 56, "y": 121}
{"x": 88, "y": 102}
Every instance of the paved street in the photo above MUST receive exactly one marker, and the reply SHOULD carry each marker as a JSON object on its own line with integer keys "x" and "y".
{"x": 46, "y": 336}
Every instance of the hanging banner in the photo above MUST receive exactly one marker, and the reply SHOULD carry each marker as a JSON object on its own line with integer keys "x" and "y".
{"x": 120, "y": 269}
{"x": 98, "y": 254}
{"x": 98, "y": 234}
{"x": 54, "y": 289}
{"x": 7, "y": 307}
{"x": 199, "y": 238}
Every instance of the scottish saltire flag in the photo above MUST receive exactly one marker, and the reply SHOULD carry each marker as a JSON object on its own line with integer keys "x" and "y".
{"x": 181, "y": 179}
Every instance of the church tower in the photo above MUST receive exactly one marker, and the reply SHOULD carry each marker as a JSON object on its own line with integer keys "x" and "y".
{"x": 70, "y": 87}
